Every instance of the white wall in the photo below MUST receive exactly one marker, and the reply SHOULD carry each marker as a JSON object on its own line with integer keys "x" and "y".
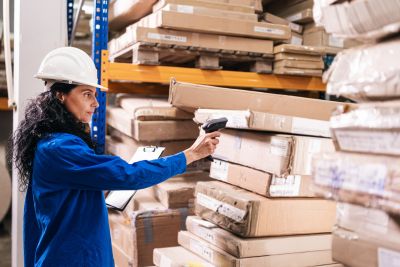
{"x": 39, "y": 27}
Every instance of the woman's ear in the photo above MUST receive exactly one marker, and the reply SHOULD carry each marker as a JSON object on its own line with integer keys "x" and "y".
{"x": 60, "y": 97}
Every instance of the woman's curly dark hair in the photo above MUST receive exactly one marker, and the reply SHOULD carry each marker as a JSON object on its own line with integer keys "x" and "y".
{"x": 44, "y": 115}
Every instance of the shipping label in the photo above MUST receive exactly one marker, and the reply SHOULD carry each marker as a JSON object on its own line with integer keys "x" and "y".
{"x": 220, "y": 207}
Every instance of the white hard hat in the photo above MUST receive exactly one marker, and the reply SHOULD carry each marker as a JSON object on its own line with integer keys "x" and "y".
{"x": 69, "y": 65}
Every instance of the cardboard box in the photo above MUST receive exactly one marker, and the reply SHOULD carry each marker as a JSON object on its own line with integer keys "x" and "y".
{"x": 122, "y": 13}
{"x": 219, "y": 257}
{"x": 302, "y": 17}
{"x": 208, "y": 4}
{"x": 368, "y": 180}
{"x": 151, "y": 130}
{"x": 150, "y": 108}
{"x": 301, "y": 64}
{"x": 251, "y": 215}
{"x": 297, "y": 49}
{"x": 262, "y": 121}
{"x": 137, "y": 33}
{"x": 367, "y": 221}
{"x": 370, "y": 128}
{"x": 256, "y": 247}
{"x": 349, "y": 79}
{"x": 356, "y": 250}
{"x": 192, "y": 96}
{"x": 317, "y": 36}
{"x": 211, "y": 12}
{"x": 183, "y": 20}
{"x": 257, "y": 4}
{"x": 276, "y": 154}
{"x": 296, "y": 39}
{"x": 297, "y": 71}
{"x": 270, "y": 18}
{"x": 260, "y": 182}
{"x": 178, "y": 192}
{"x": 321, "y": 38}
{"x": 294, "y": 56}
{"x": 146, "y": 230}
{"x": 177, "y": 257}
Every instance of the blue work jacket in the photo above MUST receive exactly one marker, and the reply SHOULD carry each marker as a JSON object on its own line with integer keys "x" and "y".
{"x": 65, "y": 216}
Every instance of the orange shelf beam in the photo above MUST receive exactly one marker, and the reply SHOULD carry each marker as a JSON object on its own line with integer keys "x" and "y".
{"x": 125, "y": 72}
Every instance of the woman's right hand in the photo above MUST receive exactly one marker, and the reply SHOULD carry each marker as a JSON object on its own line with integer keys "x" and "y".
{"x": 204, "y": 146}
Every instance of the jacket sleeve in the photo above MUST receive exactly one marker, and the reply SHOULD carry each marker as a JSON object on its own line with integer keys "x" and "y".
{"x": 69, "y": 163}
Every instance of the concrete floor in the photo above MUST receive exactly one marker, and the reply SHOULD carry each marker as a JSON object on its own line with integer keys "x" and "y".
{"x": 5, "y": 242}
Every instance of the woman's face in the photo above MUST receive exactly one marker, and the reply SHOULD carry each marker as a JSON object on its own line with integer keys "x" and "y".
{"x": 81, "y": 102}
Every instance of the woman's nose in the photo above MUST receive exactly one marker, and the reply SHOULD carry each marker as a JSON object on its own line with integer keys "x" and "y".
{"x": 96, "y": 103}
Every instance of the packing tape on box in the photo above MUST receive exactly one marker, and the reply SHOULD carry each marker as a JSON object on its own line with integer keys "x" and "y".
{"x": 148, "y": 227}
{"x": 184, "y": 212}
{"x": 148, "y": 222}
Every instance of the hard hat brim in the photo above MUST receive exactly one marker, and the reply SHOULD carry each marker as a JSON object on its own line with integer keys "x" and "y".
{"x": 58, "y": 79}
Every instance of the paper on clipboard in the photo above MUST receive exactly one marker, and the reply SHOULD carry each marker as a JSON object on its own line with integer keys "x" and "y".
{"x": 119, "y": 199}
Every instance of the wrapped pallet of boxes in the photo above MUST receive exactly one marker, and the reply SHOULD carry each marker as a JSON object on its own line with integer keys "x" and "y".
{"x": 250, "y": 215}
{"x": 151, "y": 226}
{"x": 364, "y": 179}
{"x": 143, "y": 121}
{"x": 347, "y": 75}
{"x": 366, "y": 237}
{"x": 364, "y": 20}
{"x": 371, "y": 128}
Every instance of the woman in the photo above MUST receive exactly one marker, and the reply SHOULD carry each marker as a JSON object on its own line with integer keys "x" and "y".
{"x": 65, "y": 217}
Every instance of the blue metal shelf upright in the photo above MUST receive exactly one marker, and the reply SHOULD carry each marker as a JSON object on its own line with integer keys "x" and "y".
{"x": 70, "y": 17}
{"x": 99, "y": 43}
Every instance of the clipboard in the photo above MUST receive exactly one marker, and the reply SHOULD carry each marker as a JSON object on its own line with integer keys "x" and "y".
{"x": 119, "y": 199}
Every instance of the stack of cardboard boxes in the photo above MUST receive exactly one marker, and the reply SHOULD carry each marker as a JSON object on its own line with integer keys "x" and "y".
{"x": 300, "y": 12}
{"x": 155, "y": 215}
{"x": 209, "y": 34}
{"x": 261, "y": 208}
{"x": 306, "y": 37}
{"x": 298, "y": 60}
{"x": 364, "y": 172}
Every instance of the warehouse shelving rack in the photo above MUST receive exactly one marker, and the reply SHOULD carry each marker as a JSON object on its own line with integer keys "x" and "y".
{"x": 112, "y": 74}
